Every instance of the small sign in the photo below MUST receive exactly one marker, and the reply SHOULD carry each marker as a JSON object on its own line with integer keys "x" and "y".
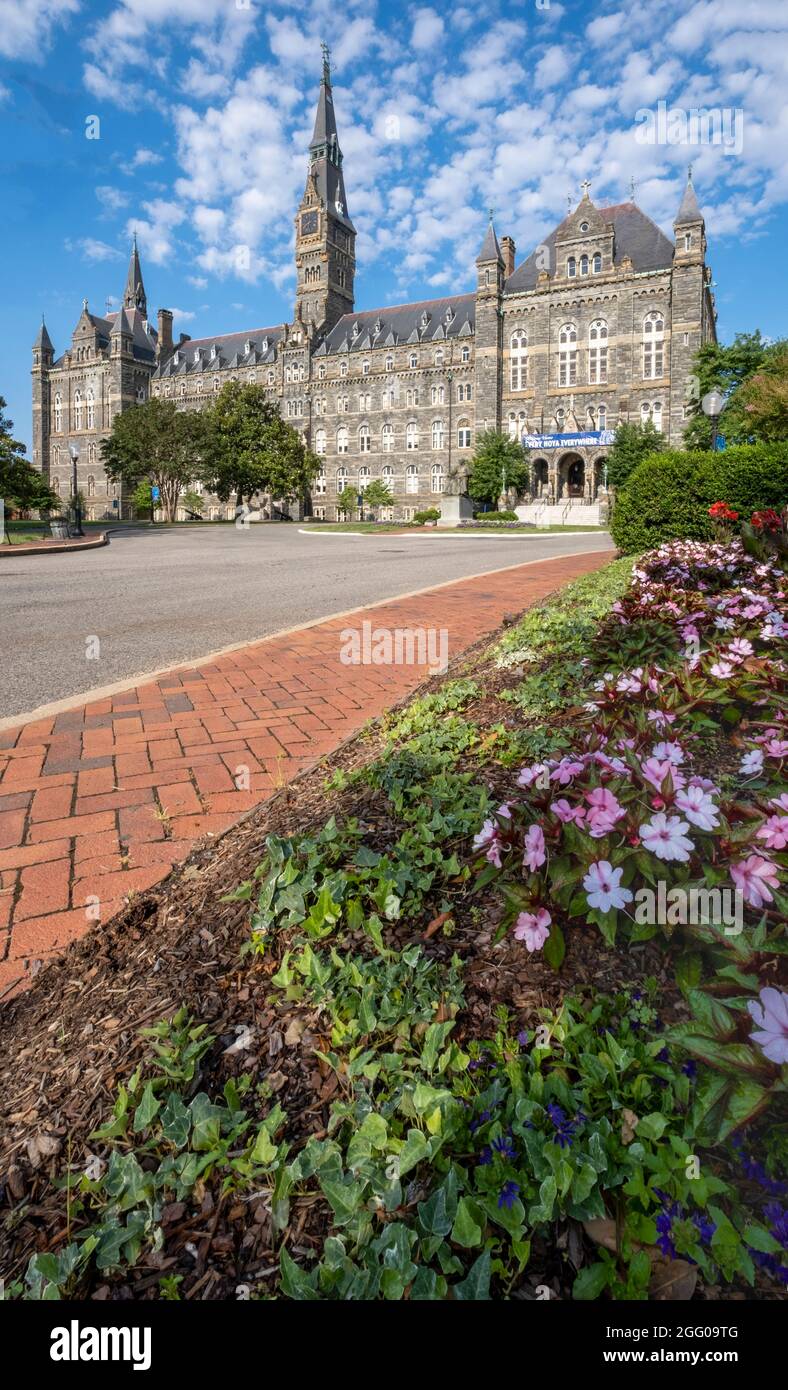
{"x": 154, "y": 492}
{"x": 719, "y": 443}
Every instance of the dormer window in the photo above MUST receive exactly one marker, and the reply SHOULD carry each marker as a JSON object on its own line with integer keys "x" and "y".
{"x": 378, "y": 326}
{"x": 356, "y": 330}
{"x": 214, "y": 352}
{"x": 197, "y": 355}
{"x": 425, "y": 318}
{"x": 247, "y": 347}
{"x": 176, "y": 357}
{"x": 449, "y": 314}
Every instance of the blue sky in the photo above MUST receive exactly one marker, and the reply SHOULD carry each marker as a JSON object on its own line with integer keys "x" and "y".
{"x": 205, "y": 110}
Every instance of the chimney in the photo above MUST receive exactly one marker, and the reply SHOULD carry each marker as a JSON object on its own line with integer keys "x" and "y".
{"x": 508, "y": 252}
{"x": 165, "y": 333}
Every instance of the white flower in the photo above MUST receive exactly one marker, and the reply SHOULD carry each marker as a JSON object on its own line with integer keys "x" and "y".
{"x": 698, "y": 807}
{"x": 664, "y": 836}
{"x": 603, "y": 886}
{"x": 752, "y": 763}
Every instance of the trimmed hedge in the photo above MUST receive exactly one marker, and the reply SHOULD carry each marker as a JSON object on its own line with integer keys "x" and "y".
{"x": 495, "y": 516}
{"x": 431, "y": 514}
{"x": 668, "y": 496}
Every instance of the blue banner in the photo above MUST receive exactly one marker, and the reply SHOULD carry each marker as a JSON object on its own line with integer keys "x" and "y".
{"x": 567, "y": 441}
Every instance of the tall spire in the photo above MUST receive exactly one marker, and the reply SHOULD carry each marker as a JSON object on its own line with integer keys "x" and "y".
{"x": 134, "y": 296}
{"x": 490, "y": 251}
{"x": 689, "y": 210}
{"x": 325, "y": 156}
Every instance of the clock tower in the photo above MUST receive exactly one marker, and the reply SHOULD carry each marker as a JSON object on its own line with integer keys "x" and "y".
{"x": 325, "y": 243}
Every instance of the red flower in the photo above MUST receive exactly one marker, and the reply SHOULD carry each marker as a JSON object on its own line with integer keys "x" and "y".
{"x": 720, "y": 511}
{"x": 767, "y": 520}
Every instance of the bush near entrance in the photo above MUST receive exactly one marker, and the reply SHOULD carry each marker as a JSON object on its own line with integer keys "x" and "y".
{"x": 668, "y": 495}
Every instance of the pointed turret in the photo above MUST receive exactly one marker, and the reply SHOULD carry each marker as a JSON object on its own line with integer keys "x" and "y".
{"x": 43, "y": 342}
{"x": 491, "y": 251}
{"x": 325, "y": 156}
{"x": 689, "y": 211}
{"x": 122, "y": 334}
{"x": 134, "y": 294}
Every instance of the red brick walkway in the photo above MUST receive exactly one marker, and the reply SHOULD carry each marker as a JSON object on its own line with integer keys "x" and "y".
{"x": 100, "y": 802}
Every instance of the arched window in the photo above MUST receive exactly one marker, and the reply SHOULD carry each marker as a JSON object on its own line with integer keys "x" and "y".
{"x": 438, "y": 479}
{"x": 584, "y": 265}
{"x": 342, "y": 477}
{"x": 464, "y": 391}
{"x": 656, "y": 414}
{"x": 389, "y": 364}
{"x": 560, "y": 418}
{"x": 387, "y": 439}
{"x": 438, "y": 439}
{"x": 413, "y": 361}
{"x": 597, "y": 417}
{"x": 571, "y": 267}
{"x": 518, "y": 350}
{"x": 343, "y": 368}
{"x": 388, "y": 474}
{"x": 58, "y": 412}
{"x": 411, "y": 435}
{"x": 365, "y": 368}
{"x": 77, "y": 410}
{"x": 597, "y": 352}
{"x": 320, "y": 441}
{"x": 438, "y": 394}
{"x": 597, "y": 262}
{"x": 411, "y": 478}
{"x": 141, "y": 393}
{"x": 90, "y": 401}
{"x": 517, "y": 423}
{"x": 439, "y": 357}
{"x": 364, "y": 440}
{"x": 363, "y": 478}
{"x": 216, "y": 383}
{"x": 464, "y": 434}
{"x": 465, "y": 355}
{"x": 320, "y": 483}
{"x": 653, "y": 345}
{"x": 342, "y": 440}
{"x": 91, "y": 453}
{"x": 91, "y": 486}
{"x": 567, "y": 355}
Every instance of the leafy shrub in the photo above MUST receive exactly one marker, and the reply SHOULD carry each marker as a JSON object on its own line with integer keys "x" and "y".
{"x": 495, "y": 516}
{"x": 429, "y": 514}
{"x": 668, "y": 496}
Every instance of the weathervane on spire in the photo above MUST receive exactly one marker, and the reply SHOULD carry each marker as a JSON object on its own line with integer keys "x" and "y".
{"x": 689, "y": 173}
{"x": 326, "y": 51}
{"x": 586, "y": 187}
{"x": 491, "y": 211}
{"x": 632, "y": 188}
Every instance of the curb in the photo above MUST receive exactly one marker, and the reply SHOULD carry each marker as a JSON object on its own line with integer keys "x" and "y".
{"x": 59, "y": 549}
{"x": 453, "y": 535}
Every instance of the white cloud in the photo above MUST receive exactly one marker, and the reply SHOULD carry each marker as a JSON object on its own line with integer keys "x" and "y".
{"x": 183, "y": 315}
{"x": 427, "y": 29}
{"x": 198, "y": 281}
{"x": 154, "y": 232}
{"x": 27, "y": 26}
{"x": 92, "y": 249}
{"x": 142, "y": 157}
{"x": 112, "y": 198}
{"x": 553, "y": 67}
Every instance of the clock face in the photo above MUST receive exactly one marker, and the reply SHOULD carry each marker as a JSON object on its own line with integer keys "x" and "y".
{"x": 308, "y": 223}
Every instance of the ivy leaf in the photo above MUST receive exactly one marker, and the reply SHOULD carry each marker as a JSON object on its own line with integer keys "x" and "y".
{"x": 295, "y": 1282}
{"x": 467, "y": 1230}
{"x": 475, "y": 1288}
{"x": 590, "y": 1282}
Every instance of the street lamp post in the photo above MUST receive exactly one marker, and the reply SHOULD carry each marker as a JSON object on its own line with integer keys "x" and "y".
{"x": 712, "y": 405}
{"x": 73, "y": 449}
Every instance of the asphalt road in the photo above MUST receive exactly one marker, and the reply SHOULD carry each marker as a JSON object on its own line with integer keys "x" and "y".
{"x": 157, "y": 598}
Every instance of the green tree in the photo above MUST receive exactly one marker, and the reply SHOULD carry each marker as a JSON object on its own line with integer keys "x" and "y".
{"x": 347, "y": 500}
{"x": 725, "y": 368}
{"x": 497, "y": 457}
{"x": 142, "y": 499}
{"x": 763, "y": 398}
{"x": 193, "y": 501}
{"x": 632, "y": 443}
{"x": 159, "y": 444}
{"x": 22, "y": 487}
{"x": 252, "y": 449}
{"x": 377, "y": 495}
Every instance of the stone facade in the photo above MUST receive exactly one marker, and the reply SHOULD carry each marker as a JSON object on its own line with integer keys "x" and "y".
{"x": 599, "y": 325}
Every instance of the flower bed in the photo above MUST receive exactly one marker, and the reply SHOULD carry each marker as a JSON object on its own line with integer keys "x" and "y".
{"x": 426, "y": 1114}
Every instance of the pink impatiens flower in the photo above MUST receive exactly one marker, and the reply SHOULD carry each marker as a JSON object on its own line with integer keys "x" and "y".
{"x": 669, "y": 752}
{"x": 739, "y": 649}
{"x": 777, "y": 747}
{"x": 780, "y": 802}
{"x": 698, "y": 807}
{"x": 665, "y": 837}
{"x": 566, "y": 812}
{"x": 770, "y": 1013}
{"x": 487, "y": 839}
{"x": 774, "y": 832}
{"x": 752, "y": 763}
{"x": 603, "y": 886}
{"x": 755, "y": 877}
{"x": 533, "y": 928}
{"x": 529, "y": 775}
{"x": 534, "y": 851}
{"x": 604, "y": 811}
{"x": 655, "y": 772}
{"x": 722, "y": 670}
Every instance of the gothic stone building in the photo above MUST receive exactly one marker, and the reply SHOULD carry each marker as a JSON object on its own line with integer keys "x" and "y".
{"x": 600, "y": 324}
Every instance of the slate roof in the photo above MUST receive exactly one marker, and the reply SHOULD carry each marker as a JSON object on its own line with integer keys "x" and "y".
{"x": 490, "y": 251}
{"x": 689, "y": 210}
{"x": 429, "y": 320}
{"x": 635, "y": 235}
{"x": 230, "y": 352}
{"x": 42, "y": 339}
{"x": 143, "y": 343}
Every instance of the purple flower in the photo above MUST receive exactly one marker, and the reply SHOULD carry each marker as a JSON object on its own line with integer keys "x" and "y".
{"x": 508, "y": 1195}
{"x": 771, "y": 1016}
{"x": 690, "y": 1069}
{"x": 504, "y": 1147}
